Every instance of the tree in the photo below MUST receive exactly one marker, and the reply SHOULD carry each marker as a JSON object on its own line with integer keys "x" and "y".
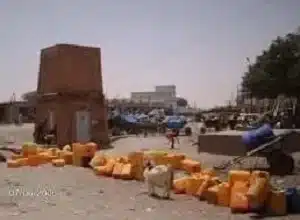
{"x": 277, "y": 70}
{"x": 182, "y": 102}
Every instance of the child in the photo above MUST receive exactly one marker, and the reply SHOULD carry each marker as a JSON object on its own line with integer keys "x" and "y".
{"x": 171, "y": 137}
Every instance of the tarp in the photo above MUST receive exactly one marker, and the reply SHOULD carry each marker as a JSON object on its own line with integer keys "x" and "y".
{"x": 153, "y": 112}
{"x": 141, "y": 116}
{"x": 158, "y": 112}
{"x": 173, "y": 118}
{"x": 176, "y": 122}
{"x": 129, "y": 118}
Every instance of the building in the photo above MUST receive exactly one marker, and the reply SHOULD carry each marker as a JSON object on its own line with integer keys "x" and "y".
{"x": 70, "y": 94}
{"x": 125, "y": 105}
{"x": 167, "y": 89}
{"x": 164, "y": 94}
{"x": 10, "y": 112}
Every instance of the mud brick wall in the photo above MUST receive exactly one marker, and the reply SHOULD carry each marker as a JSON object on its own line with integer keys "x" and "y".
{"x": 232, "y": 145}
{"x": 65, "y": 67}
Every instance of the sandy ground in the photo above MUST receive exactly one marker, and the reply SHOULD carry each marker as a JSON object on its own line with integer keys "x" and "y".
{"x": 46, "y": 192}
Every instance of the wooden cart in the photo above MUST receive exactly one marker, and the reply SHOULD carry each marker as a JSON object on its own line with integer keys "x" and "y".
{"x": 279, "y": 161}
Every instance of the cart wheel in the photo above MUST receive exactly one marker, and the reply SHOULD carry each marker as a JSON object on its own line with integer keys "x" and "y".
{"x": 282, "y": 164}
{"x": 188, "y": 131}
{"x": 202, "y": 130}
{"x": 217, "y": 127}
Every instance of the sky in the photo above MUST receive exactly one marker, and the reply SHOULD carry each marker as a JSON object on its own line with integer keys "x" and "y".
{"x": 201, "y": 46}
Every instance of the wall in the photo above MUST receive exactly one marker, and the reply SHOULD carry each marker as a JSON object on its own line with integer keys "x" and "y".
{"x": 150, "y": 96}
{"x": 64, "y": 109}
{"x": 160, "y": 94}
{"x": 166, "y": 88}
{"x": 231, "y": 145}
{"x": 66, "y": 67}
{"x": 10, "y": 112}
{"x": 142, "y": 96}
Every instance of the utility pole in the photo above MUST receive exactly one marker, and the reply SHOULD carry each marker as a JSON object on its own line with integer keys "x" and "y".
{"x": 250, "y": 93}
{"x": 12, "y": 108}
{"x": 237, "y": 95}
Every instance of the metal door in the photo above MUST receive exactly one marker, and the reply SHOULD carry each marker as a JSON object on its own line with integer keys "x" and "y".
{"x": 83, "y": 126}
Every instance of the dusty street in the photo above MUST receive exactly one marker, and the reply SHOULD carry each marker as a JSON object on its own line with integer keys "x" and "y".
{"x": 47, "y": 192}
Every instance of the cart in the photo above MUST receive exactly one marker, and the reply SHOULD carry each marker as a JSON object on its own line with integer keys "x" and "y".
{"x": 178, "y": 123}
{"x": 280, "y": 162}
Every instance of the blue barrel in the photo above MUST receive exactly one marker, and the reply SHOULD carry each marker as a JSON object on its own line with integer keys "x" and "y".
{"x": 175, "y": 124}
{"x": 254, "y": 138}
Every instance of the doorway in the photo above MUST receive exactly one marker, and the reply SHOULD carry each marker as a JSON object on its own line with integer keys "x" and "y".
{"x": 51, "y": 122}
{"x": 83, "y": 126}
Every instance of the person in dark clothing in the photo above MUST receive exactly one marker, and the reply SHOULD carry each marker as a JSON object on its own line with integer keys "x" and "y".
{"x": 145, "y": 132}
{"x": 171, "y": 137}
{"x": 40, "y": 131}
{"x": 232, "y": 122}
{"x": 51, "y": 136}
{"x": 177, "y": 135}
{"x": 53, "y": 130}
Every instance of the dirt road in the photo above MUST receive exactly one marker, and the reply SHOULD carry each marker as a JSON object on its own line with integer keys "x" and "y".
{"x": 46, "y": 192}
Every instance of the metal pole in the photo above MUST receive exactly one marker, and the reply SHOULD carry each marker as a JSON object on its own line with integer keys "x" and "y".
{"x": 251, "y": 103}
{"x": 237, "y": 95}
{"x": 251, "y": 98}
{"x": 12, "y": 108}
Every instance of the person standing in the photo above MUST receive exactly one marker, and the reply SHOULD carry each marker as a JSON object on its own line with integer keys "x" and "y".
{"x": 172, "y": 136}
{"x": 172, "y": 139}
{"x": 176, "y": 135}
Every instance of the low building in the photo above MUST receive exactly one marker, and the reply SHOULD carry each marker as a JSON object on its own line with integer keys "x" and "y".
{"x": 10, "y": 112}
{"x": 167, "y": 88}
{"x": 165, "y": 94}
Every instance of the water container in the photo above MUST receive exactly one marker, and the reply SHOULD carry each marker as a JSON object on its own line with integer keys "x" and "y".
{"x": 293, "y": 200}
{"x": 255, "y": 138}
{"x": 29, "y": 149}
{"x": 276, "y": 204}
{"x": 238, "y": 176}
{"x": 85, "y": 161}
{"x": 258, "y": 193}
{"x": 238, "y": 199}
{"x": 224, "y": 194}
{"x": 258, "y": 174}
{"x": 192, "y": 185}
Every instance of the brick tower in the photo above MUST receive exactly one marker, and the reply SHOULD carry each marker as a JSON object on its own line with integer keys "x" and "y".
{"x": 70, "y": 93}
